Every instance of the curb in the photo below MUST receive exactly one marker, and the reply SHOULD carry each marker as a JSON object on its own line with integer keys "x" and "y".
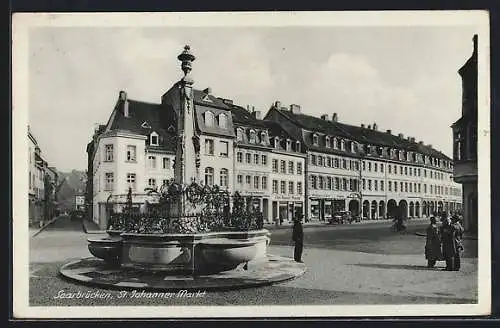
{"x": 45, "y": 226}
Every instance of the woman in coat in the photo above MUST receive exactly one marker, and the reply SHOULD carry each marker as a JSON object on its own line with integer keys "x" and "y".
{"x": 433, "y": 244}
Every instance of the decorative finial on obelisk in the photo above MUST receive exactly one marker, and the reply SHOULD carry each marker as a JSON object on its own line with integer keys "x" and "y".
{"x": 186, "y": 57}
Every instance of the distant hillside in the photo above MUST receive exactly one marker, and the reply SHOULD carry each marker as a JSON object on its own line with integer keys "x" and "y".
{"x": 73, "y": 185}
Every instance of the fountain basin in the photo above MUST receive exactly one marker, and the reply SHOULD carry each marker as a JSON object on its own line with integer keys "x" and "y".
{"x": 182, "y": 253}
{"x": 108, "y": 248}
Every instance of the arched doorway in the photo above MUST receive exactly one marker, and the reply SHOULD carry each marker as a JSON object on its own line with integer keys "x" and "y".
{"x": 417, "y": 209}
{"x": 366, "y": 209}
{"x": 392, "y": 208}
{"x": 440, "y": 207}
{"x": 412, "y": 210}
{"x": 403, "y": 208}
{"x": 424, "y": 208}
{"x": 431, "y": 208}
{"x": 381, "y": 209}
{"x": 373, "y": 211}
{"x": 354, "y": 207}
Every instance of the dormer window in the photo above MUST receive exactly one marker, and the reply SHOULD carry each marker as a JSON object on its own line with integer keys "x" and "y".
{"x": 222, "y": 119}
{"x": 335, "y": 146}
{"x": 276, "y": 142}
{"x": 208, "y": 118}
{"x": 288, "y": 144}
{"x": 153, "y": 139}
{"x": 315, "y": 139}
{"x": 239, "y": 134}
{"x": 353, "y": 147}
{"x": 252, "y": 136}
{"x": 297, "y": 146}
{"x": 342, "y": 145}
{"x": 327, "y": 141}
{"x": 263, "y": 137}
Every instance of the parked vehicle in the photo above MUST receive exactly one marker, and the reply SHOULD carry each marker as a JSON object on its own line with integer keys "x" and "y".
{"x": 341, "y": 217}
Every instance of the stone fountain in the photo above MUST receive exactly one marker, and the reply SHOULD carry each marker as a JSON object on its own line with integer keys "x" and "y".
{"x": 194, "y": 239}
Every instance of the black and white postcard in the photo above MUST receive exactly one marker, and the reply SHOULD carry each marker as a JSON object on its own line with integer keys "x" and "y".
{"x": 251, "y": 164}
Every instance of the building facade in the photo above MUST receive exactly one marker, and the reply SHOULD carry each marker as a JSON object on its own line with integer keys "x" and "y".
{"x": 41, "y": 185}
{"x": 286, "y": 164}
{"x": 371, "y": 173}
{"x": 465, "y": 141}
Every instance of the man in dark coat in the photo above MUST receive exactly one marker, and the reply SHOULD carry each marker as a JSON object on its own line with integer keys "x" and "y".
{"x": 298, "y": 238}
{"x": 449, "y": 241}
{"x": 433, "y": 244}
{"x": 458, "y": 234}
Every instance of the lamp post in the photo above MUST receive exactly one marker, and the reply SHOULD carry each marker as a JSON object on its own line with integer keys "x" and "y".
{"x": 360, "y": 185}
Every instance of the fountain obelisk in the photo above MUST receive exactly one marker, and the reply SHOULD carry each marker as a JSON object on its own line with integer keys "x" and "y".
{"x": 187, "y": 162}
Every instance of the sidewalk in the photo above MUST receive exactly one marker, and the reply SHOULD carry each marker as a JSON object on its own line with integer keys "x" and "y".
{"x": 35, "y": 231}
{"x": 91, "y": 227}
{"x": 287, "y": 225}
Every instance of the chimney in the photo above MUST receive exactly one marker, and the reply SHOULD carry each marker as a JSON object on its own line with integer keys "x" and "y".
{"x": 474, "y": 40}
{"x": 277, "y": 104}
{"x": 124, "y": 100}
{"x": 324, "y": 117}
{"x": 253, "y": 109}
{"x": 389, "y": 131}
{"x": 412, "y": 139}
{"x": 375, "y": 126}
{"x": 207, "y": 91}
{"x": 401, "y": 135}
{"x": 420, "y": 142}
{"x": 257, "y": 114}
{"x": 295, "y": 109}
{"x": 335, "y": 117}
{"x": 369, "y": 127}
{"x": 363, "y": 126}
{"x": 248, "y": 108}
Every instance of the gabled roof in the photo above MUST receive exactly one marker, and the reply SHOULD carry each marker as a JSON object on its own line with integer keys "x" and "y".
{"x": 359, "y": 134}
{"x": 316, "y": 124}
{"x": 241, "y": 116}
{"x": 140, "y": 112}
{"x": 214, "y": 101}
{"x": 276, "y": 130}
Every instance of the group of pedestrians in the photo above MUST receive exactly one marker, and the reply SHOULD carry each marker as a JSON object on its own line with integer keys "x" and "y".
{"x": 444, "y": 242}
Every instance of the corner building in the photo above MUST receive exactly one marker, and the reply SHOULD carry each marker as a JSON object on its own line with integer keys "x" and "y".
{"x": 465, "y": 141}
{"x": 371, "y": 173}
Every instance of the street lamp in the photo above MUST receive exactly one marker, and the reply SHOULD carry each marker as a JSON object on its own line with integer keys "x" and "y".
{"x": 360, "y": 185}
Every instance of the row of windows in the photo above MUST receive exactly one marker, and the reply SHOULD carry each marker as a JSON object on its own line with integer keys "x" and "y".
{"x": 282, "y": 187}
{"x": 332, "y": 183}
{"x": 250, "y": 158}
{"x": 255, "y": 182}
{"x": 335, "y": 162}
{"x": 335, "y": 143}
{"x": 316, "y": 182}
{"x": 291, "y": 168}
{"x": 403, "y": 170}
{"x": 412, "y": 187}
{"x": 223, "y": 148}
{"x": 210, "y": 120}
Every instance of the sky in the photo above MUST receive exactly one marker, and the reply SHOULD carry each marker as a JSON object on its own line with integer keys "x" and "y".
{"x": 401, "y": 78}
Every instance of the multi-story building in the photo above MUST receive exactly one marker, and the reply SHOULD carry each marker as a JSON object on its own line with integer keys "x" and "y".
{"x": 367, "y": 171}
{"x": 287, "y": 176}
{"x": 134, "y": 150}
{"x": 465, "y": 141}
{"x": 286, "y": 164}
{"x": 268, "y": 166}
{"x": 42, "y": 181}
